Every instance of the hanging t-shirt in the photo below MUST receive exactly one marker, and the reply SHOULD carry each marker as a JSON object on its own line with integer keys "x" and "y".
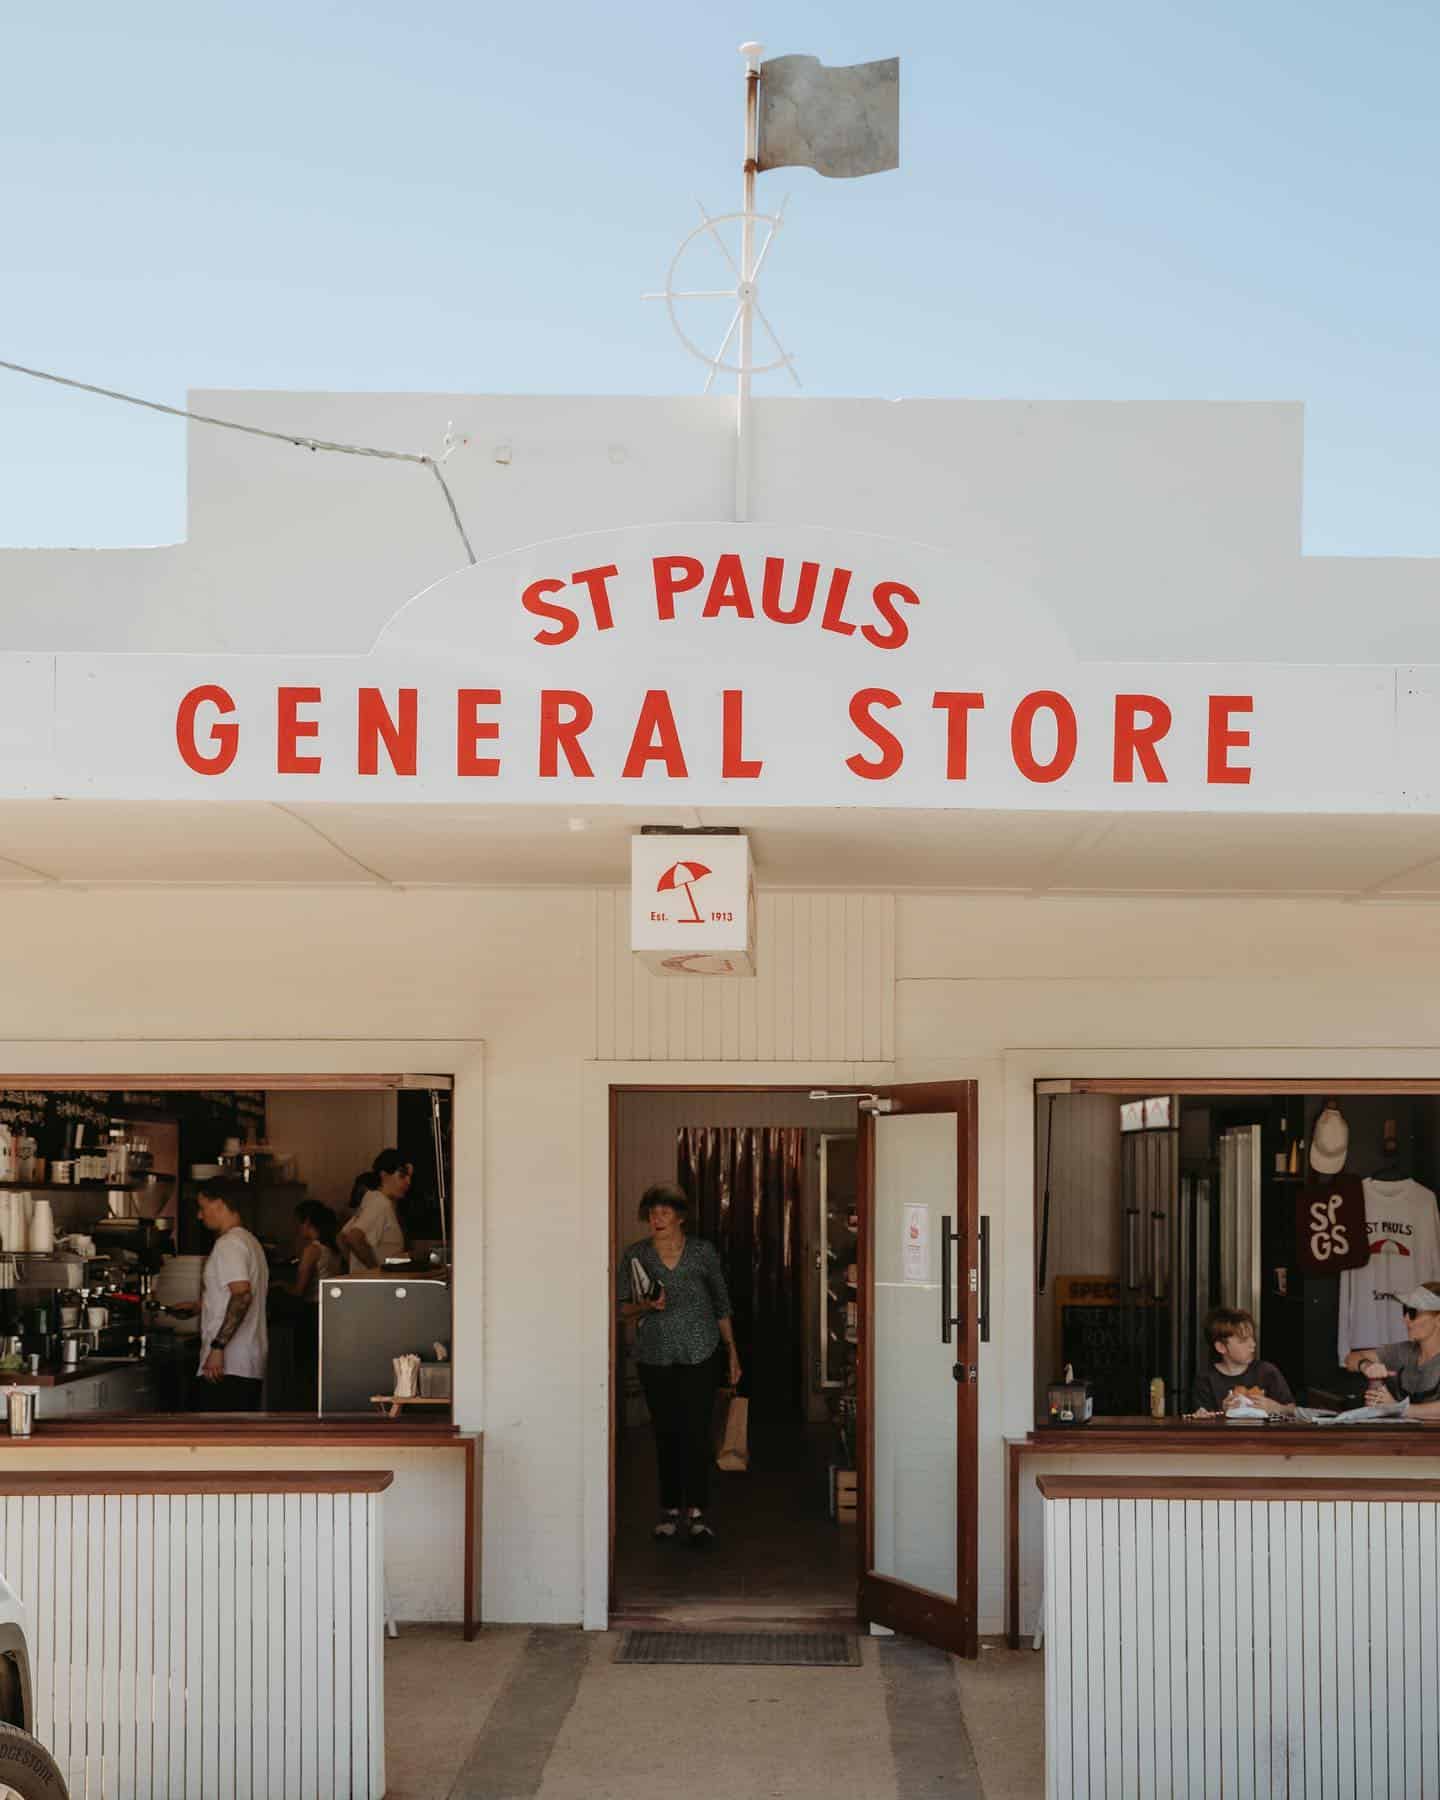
{"x": 1402, "y": 1226}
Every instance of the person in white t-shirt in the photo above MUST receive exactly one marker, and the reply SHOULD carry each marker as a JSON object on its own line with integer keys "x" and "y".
{"x": 373, "y": 1232}
{"x": 234, "y": 1342}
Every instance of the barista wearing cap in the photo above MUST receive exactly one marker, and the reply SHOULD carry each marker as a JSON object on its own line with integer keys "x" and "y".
{"x": 1408, "y": 1371}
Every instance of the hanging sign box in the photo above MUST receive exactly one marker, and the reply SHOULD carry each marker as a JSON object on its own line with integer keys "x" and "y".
{"x": 692, "y": 903}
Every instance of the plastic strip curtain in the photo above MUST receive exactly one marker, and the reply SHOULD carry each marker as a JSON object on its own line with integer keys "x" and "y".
{"x": 747, "y": 1186}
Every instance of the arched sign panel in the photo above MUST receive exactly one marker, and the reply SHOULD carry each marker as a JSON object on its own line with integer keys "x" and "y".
{"x": 714, "y": 664}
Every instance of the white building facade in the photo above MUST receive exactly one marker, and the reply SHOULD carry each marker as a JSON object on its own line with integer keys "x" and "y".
{"x": 999, "y": 906}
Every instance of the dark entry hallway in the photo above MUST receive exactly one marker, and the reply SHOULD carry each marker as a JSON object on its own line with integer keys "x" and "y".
{"x": 777, "y": 1555}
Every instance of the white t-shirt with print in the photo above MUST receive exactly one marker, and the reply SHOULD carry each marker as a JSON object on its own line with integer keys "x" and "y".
{"x": 376, "y": 1218}
{"x": 236, "y": 1256}
{"x": 1402, "y": 1225}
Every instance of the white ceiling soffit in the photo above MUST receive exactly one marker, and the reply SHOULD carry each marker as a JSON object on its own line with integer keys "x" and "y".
{"x": 160, "y": 844}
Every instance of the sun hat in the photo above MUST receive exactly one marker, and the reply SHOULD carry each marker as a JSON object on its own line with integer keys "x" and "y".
{"x": 1329, "y": 1142}
{"x": 1421, "y": 1299}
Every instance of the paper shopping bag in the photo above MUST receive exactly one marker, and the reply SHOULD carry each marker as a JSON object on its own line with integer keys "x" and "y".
{"x": 734, "y": 1451}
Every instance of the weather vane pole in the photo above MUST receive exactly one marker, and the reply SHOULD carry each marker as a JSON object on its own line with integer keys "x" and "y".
{"x": 752, "y": 54}
{"x": 798, "y": 113}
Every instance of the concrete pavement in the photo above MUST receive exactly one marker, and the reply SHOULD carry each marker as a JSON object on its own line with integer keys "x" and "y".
{"x": 546, "y": 1714}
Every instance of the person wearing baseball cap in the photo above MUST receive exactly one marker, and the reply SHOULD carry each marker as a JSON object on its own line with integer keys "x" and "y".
{"x": 1408, "y": 1371}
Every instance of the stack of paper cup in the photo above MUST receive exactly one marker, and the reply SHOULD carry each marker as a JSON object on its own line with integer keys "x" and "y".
{"x": 42, "y": 1225}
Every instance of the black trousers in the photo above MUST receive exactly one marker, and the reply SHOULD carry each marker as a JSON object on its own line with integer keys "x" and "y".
{"x": 681, "y": 1398}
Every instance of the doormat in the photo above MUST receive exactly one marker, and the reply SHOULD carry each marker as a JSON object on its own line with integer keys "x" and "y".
{"x": 773, "y": 1649}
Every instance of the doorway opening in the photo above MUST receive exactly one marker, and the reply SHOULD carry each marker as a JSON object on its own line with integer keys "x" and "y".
{"x": 771, "y": 1178}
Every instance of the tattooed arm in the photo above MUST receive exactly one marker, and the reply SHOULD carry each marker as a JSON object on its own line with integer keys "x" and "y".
{"x": 241, "y": 1299}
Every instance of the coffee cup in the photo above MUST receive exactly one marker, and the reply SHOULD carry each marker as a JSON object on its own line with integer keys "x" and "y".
{"x": 97, "y": 1317}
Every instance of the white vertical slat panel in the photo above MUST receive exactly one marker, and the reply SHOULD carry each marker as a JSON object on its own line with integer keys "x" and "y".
{"x": 1260, "y": 1550}
{"x": 1092, "y": 1518}
{"x": 1279, "y": 1645}
{"x": 1398, "y": 1580}
{"x": 196, "y": 1601}
{"x": 1157, "y": 1534}
{"x": 1348, "y": 1693}
{"x": 40, "y": 1601}
{"x": 1297, "y": 1653}
{"x": 294, "y": 1787}
{"x": 144, "y": 1642}
{"x": 1363, "y": 1677}
{"x": 212, "y": 1702}
{"x": 324, "y": 1612}
{"x": 1322, "y": 1723}
{"x": 375, "y": 1638}
{"x": 1223, "y": 1764}
{"x": 1409, "y": 1561}
{"x": 1197, "y": 1713}
{"x": 275, "y": 1687}
{"x": 692, "y": 1005}
{"x": 1179, "y": 1753}
{"x": 824, "y": 988}
{"x": 1127, "y": 1647}
{"x": 816, "y": 976}
{"x": 880, "y": 967}
{"x": 161, "y": 1651}
{"x": 1428, "y": 1549}
{"x": 108, "y": 1733}
{"x": 1113, "y": 1575}
{"x": 95, "y": 1624}
{"x": 340, "y": 1546}
{"x": 183, "y": 1631}
{"x": 1081, "y": 1681}
{"x": 257, "y": 1677}
{"x": 1242, "y": 1527}
{"x": 243, "y": 1603}
{"x": 308, "y": 1676}
{"x": 55, "y": 1682}
{"x": 120, "y": 1765}
{"x": 356, "y": 1567}
{"x": 1057, "y": 1643}
{"x": 222, "y": 1550}
{"x": 777, "y": 974}
{"x": 1379, "y": 1642}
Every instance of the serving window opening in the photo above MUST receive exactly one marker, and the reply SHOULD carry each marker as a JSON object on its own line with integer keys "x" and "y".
{"x": 1311, "y": 1212}
{"x": 300, "y": 1226}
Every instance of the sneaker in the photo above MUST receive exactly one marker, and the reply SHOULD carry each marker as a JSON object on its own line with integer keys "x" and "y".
{"x": 698, "y": 1534}
{"x": 669, "y": 1525}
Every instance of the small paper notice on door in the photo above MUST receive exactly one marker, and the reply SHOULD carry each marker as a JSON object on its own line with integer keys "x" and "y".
{"x": 915, "y": 1249}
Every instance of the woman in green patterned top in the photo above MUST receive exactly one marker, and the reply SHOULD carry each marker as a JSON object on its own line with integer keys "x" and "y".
{"x": 673, "y": 1287}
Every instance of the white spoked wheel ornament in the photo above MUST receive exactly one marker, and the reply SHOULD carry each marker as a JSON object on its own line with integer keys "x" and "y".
{"x": 742, "y": 299}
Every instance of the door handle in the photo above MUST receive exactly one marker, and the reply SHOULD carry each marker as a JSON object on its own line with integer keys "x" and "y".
{"x": 1132, "y": 1248}
{"x": 984, "y": 1308}
{"x": 949, "y": 1318}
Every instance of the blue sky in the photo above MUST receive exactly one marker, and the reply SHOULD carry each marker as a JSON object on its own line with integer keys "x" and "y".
{"x": 1211, "y": 200}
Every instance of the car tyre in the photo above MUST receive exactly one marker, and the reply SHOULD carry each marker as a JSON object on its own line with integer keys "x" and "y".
{"x": 27, "y": 1769}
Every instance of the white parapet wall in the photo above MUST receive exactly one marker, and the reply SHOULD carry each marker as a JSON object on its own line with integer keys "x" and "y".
{"x": 1250, "y": 1638}
{"x": 204, "y": 1634}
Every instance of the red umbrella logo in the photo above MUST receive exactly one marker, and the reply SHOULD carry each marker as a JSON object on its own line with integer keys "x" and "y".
{"x": 683, "y": 875}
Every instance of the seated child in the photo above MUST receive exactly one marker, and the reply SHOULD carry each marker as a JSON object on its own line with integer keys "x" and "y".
{"x": 1237, "y": 1371}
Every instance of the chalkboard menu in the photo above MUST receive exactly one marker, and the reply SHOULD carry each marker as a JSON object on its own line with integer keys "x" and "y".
{"x": 1105, "y": 1334}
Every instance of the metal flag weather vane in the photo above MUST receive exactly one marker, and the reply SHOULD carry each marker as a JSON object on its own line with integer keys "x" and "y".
{"x": 798, "y": 113}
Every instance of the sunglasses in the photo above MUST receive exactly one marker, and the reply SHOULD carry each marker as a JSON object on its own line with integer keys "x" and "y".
{"x": 1409, "y": 1312}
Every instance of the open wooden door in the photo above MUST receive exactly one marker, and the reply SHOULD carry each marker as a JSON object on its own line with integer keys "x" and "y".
{"x": 919, "y": 1281}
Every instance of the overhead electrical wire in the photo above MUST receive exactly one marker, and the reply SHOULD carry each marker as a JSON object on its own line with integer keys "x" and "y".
{"x": 298, "y": 439}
